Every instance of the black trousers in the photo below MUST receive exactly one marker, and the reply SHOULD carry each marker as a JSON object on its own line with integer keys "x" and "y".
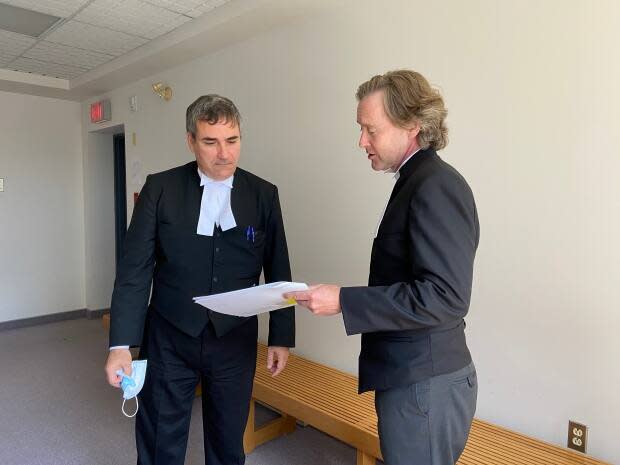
{"x": 176, "y": 361}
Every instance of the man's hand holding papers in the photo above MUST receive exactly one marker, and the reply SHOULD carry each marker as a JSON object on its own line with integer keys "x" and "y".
{"x": 320, "y": 299}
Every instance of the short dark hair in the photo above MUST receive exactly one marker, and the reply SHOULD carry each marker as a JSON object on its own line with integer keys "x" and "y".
{"x": 213, "y": 109}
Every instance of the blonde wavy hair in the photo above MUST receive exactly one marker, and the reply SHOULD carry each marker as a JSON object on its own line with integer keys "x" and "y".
{"x": 410, "y": 99}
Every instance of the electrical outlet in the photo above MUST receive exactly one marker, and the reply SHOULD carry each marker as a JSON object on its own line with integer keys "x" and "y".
{"x": 577, "y": 436}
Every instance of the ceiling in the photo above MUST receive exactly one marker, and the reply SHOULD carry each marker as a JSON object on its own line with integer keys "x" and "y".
{"x": 89, "y": 33}
{"x": 96, "y": 46}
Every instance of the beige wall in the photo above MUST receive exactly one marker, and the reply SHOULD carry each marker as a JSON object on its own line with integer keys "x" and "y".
{"x": 41, "y": 208}
{"x": 532, "y": 92}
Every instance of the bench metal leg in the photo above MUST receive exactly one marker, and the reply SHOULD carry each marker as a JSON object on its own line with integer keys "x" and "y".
{"x": 254, "y": 437}
{"x": 364, "y": 459}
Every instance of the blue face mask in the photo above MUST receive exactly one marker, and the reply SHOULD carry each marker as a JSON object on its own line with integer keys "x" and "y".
{"x": 131, "y": 385}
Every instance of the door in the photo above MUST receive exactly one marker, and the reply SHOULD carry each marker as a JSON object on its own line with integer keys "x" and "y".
{"x": 120, "y": 193}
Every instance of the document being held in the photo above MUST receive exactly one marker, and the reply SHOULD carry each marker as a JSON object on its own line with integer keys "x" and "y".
{"x": 253, "y": 300}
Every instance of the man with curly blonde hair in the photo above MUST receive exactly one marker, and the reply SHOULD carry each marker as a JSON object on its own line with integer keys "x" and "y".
{"x": 411, "y": 314}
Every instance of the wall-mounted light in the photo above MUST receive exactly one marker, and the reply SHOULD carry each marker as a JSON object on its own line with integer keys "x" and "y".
{"x": 162, "y": 90}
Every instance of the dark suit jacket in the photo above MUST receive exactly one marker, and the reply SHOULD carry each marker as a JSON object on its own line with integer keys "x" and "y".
{"x": 162, "y": 247}
{"x": 411, "y": 313}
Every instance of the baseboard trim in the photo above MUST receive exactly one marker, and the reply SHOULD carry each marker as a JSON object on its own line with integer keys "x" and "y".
{"x": 53, "y": 318}
{"x": 96, "y": 314}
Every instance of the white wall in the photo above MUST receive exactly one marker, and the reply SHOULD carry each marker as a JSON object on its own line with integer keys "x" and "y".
{"x": 532, "y": 93}
{"x": 41, "y": 208}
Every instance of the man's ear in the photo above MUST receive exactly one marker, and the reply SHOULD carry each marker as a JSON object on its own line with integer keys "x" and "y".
{"x": 415, "y": 128}
{"x": 191, "y": 140}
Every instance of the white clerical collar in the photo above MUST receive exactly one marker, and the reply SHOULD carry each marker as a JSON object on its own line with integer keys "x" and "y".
{"x": 204, "y": 179}
{"x": 397, "y": 173}
{"x": 215, "y": 209}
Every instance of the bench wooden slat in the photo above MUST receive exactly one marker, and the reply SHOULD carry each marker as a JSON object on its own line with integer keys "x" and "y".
{"x": 515, "y": 452}
{"x": 310, "y": 398}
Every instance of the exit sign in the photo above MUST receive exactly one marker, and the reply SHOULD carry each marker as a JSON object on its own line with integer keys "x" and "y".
{"x": 100, "y": 111}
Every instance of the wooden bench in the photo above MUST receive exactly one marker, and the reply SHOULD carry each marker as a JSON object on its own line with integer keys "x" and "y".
{"x": 327, "y": 399}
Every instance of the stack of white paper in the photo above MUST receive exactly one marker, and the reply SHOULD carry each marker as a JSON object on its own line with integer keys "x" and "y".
{"x": 253, "y": 300}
